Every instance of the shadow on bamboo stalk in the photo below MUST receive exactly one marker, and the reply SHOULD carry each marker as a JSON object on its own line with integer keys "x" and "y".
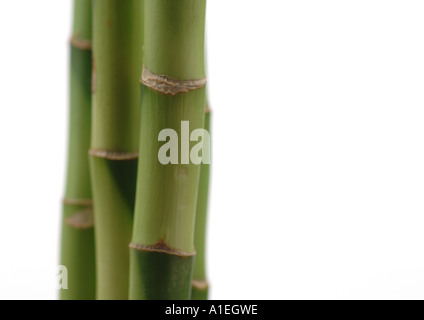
{"x": 118, "y": 42}
{"x": 77, "y": 248}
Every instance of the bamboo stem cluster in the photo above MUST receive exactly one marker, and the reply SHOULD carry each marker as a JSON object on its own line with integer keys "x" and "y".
{"x": 149, "y": 218}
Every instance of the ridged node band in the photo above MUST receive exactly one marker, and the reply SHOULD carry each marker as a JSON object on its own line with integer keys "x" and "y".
{"x": 162, "y": 247}
{"x": 167, "y": 85}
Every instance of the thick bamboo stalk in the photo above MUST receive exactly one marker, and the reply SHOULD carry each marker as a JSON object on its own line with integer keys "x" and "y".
{"x": 77, "y": 248}
{"x": 173, "y": 81}
{"x": 115, "y": 135}
{"x": 200, "y": 286}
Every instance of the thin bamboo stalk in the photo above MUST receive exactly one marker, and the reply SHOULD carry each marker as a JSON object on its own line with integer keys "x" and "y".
{"x": 77, "y": 247}
{"x": 173, "y": 80}
{"x": 118, "y": 41}
{"x": 200, "y": 286}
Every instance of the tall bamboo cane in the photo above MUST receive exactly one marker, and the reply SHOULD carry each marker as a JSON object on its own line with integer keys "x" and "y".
{"x": 77, "y": 251}
{"x": 173, "y": 90}
{"x": 200, "y": 286}
{"x": 115, "y": 137}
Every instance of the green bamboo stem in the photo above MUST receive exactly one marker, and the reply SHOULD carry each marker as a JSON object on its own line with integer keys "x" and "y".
{"x": 162, "y": 248}
{"x": 118, "y": 42}
{"x": 200, "y": 286}
{"x": 77, "y": 247}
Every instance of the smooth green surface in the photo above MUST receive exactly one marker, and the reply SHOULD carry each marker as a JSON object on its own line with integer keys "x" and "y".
{"x": 77, "y": 246}
{"x": 115, "y": 186}
{"x": 199, "y": 272}
{"x": 197, "y": 294}
{"x": 118, "y": 42}
{"x": 82, "y": 19}
{"x": 167, "y": 194}
{"x": 175, "y": 38}
{"x": 168, "y": 276}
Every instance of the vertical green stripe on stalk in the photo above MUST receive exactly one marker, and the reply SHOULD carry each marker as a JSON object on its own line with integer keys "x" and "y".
{"x": 167, "y": 194}
{"x": 77, "y": 248}
{"x": 118, "y": 42}
{"x": 200, "y": 285}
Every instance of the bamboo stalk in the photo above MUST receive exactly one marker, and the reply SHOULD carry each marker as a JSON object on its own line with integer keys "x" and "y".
{"x": 199, "y": 284}
{"x": 77, "y": 244}
{"x": 173, "y": 80}
{"x": 115, "y": 138}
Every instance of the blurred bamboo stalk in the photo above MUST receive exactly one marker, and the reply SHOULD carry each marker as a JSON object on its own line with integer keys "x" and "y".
{"x": 77, "y": 248}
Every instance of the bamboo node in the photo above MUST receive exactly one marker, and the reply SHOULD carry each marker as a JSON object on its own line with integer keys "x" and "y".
{"x": 78, "y": 202}
{"x": 167, "y": 85}
{"x": 113, "y": 155}
{"x": 207, "y": 109}
{"x": 201, "y": 285}
{"x": 81, "y": 220}
{"x": 82, "y": 44}
{"x": 162, "y": 247}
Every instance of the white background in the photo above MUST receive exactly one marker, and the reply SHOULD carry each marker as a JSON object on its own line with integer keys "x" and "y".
{"x": 318, "y": 164}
